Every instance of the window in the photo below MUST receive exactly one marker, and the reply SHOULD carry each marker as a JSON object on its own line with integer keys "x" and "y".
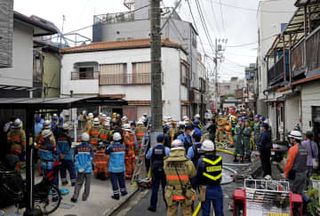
{"x": 141, "y": 73}
{"x": 85, "y": 70}
{"x": 184, "y": 73}
{"x": 113, "y": 74}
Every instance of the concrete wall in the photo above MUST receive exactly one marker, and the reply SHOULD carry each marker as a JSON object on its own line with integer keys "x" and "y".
{"x": 51, "y": 77}
{"x": 292, "y": 112}
{"x": 22, "y": 58}
{"x": 172, "y": 92}
{"x": 310, "y": 95}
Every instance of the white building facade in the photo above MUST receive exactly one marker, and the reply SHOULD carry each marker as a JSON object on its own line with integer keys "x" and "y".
{"x": 123, "y": 70}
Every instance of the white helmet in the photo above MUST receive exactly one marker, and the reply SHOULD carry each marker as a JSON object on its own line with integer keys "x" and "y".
{"x": 124, "y": 118}
{"x": 17, "y": 123}
{"x": 208, "y": 145}
{"x": 107, "y": 123}
{"x": 65, "y": 126}
{"x": 181, "y": 123}
{"x": 47, "y": 124}
{"x": 296, "y": 135}
{"x": 46, "y": 132}
{"x": 185, "y": 118}
{"x": 90, "y": 115}
{"x": 126, "y": 127}
{"x": 116, "y": 136}
{"x": 108, "y": 118}
{"x": 177, "y": 144}
{"x": 96, "y": 121}
{"x": 85, "y": 137}
{"x": 197, "y": 115}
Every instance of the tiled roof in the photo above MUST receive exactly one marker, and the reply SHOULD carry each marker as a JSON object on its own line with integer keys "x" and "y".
{"x": 116, "y": 45}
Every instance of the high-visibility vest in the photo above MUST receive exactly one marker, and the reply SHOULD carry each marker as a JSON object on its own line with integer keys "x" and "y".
{"x": 212, "y": 170}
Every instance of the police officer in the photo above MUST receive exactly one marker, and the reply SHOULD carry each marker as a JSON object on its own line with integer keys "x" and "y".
{"x": 296, "y": 167}
{"x": 209, "y": 175}
{"x": 179, "y": 170}
{"x": 238, "y": 137}
{"x": 157, "y": 155}
{"x": 264, "y": 147}
{"x": 185, "y": 138}
{"x": 194, "y": 151}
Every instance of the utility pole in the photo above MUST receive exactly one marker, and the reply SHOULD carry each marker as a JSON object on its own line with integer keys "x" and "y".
{"x": 216, "y": 74}
{"x": 156, "y": 81}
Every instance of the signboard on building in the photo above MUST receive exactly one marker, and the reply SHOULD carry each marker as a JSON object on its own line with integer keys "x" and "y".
{"x": 6, "y": 32}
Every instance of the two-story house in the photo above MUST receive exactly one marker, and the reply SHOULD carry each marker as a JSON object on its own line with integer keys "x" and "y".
{"x": 293, "y": 75}
{"x": 122, "y": 69}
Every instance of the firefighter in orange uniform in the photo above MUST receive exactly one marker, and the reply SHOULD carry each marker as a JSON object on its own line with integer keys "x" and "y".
{"x": 130, "y": 142}
{"x": 89, "y": 122}
{"x": 94, "y": 133}
{"x": 173, "y": 130}
{"x": 140, "y": 131}
{"x": 16, "y": 139}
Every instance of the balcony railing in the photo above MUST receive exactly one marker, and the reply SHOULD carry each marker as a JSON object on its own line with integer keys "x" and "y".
{"x": 297, "y": 62}
{"x": 313, "y": 51}
{"x": 275, "y": 73}
{"x": 84, "y": 75}
{"x": 114, "y": 17}
{"x": 125, "y": 79}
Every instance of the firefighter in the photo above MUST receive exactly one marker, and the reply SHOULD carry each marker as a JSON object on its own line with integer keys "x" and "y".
{"x": 209, "y": 175}
{"x": 246, "y": 139}
{"x": 105, "y": 133}
{"x": 47, "y": 150}
{"x": 157, "y": 155}
{"x": 173, "y": 130}
{"x": 238, "y": 137}
{"x": 89, "y": 122}
{"x": 83, "y": 163}
{"x": 94, "y": 133}
{"x": 296, "y": 167}
{"x": 186, "y": 137}
{"x": 130, "y": 142}
{"x": 65, "y": 154}
{"x": 179, "y": 170}
{"x": 16, "y": 139}
{"x": 100, "y": 161}
{"x": 140, "y": 132}
{"x": 116, "y": 150}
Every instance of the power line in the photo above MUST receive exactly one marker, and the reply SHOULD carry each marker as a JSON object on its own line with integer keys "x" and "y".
{"x": 195, "y": 25}
{"x": 222, "y": 18}
{"x": 174, "y": 10}
{"x": 204, "y": 25}
{"x": 251, "y": 43}
{"x": 250, "y": 9}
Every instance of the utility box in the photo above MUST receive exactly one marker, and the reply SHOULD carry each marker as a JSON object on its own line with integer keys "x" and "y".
{"x": 6, "y": 33}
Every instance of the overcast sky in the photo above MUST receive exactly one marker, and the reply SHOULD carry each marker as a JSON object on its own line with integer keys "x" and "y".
{"x": 233, "y": 19}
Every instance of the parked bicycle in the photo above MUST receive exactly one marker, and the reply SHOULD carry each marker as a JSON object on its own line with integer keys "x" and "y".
{"x": 46, "y": 195}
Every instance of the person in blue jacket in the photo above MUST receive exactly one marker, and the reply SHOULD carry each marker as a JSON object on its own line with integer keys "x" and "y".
{"x": 185, "y": 138}
{"x": 157, "y": 154}
{"x": 196, "y": 125}
{"x": 65, "y": 154}
{"x": 83, "y": 163}
{"x": 117, "y": 150}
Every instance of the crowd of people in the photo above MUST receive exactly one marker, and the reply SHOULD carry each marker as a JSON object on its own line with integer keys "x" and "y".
{"x": 182, "y": 161}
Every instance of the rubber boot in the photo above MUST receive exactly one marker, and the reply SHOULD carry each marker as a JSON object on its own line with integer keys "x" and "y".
{"x": 235, "y": 159}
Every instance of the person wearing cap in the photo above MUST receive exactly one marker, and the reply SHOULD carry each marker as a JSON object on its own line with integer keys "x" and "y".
{"x": 179, "y": 170}
{"x": 264, "y": 147}
{"x": 296, "y": 167}
{"x": 116, "y": 150}
{"x": 180, "y": 130}
{"x": 16, "y": 139}
{"x": 65, "y": 154}
{"x": 312, "y": 149}
{"x": 37, "y": 126}
{"x": 186, "y": 137}
{"x": 194, "y": 151}
{"x": 157, "y": 154}
{"x": 196, "y": 125}
{"x": 209, "y": 176}
{"x": 83, "y": 156}
{"x": 238, "y": 139}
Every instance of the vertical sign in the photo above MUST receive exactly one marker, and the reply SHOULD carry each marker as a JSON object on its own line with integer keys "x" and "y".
{"x": 6, "y": 32}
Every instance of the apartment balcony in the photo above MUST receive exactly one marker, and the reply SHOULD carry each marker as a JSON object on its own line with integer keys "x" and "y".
{"x": 297, "y": 61}
{"x": 87, "y": 75}
{"x": 125, "y": 79}
{"x": 313, "y": 52}
{"x": 278, "y": 71}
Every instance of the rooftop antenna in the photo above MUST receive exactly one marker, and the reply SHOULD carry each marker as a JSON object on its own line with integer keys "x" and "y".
{"x": 129, "y": 4}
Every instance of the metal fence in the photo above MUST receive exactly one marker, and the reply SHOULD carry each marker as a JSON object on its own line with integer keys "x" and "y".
{"x": 125, "y": 79}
